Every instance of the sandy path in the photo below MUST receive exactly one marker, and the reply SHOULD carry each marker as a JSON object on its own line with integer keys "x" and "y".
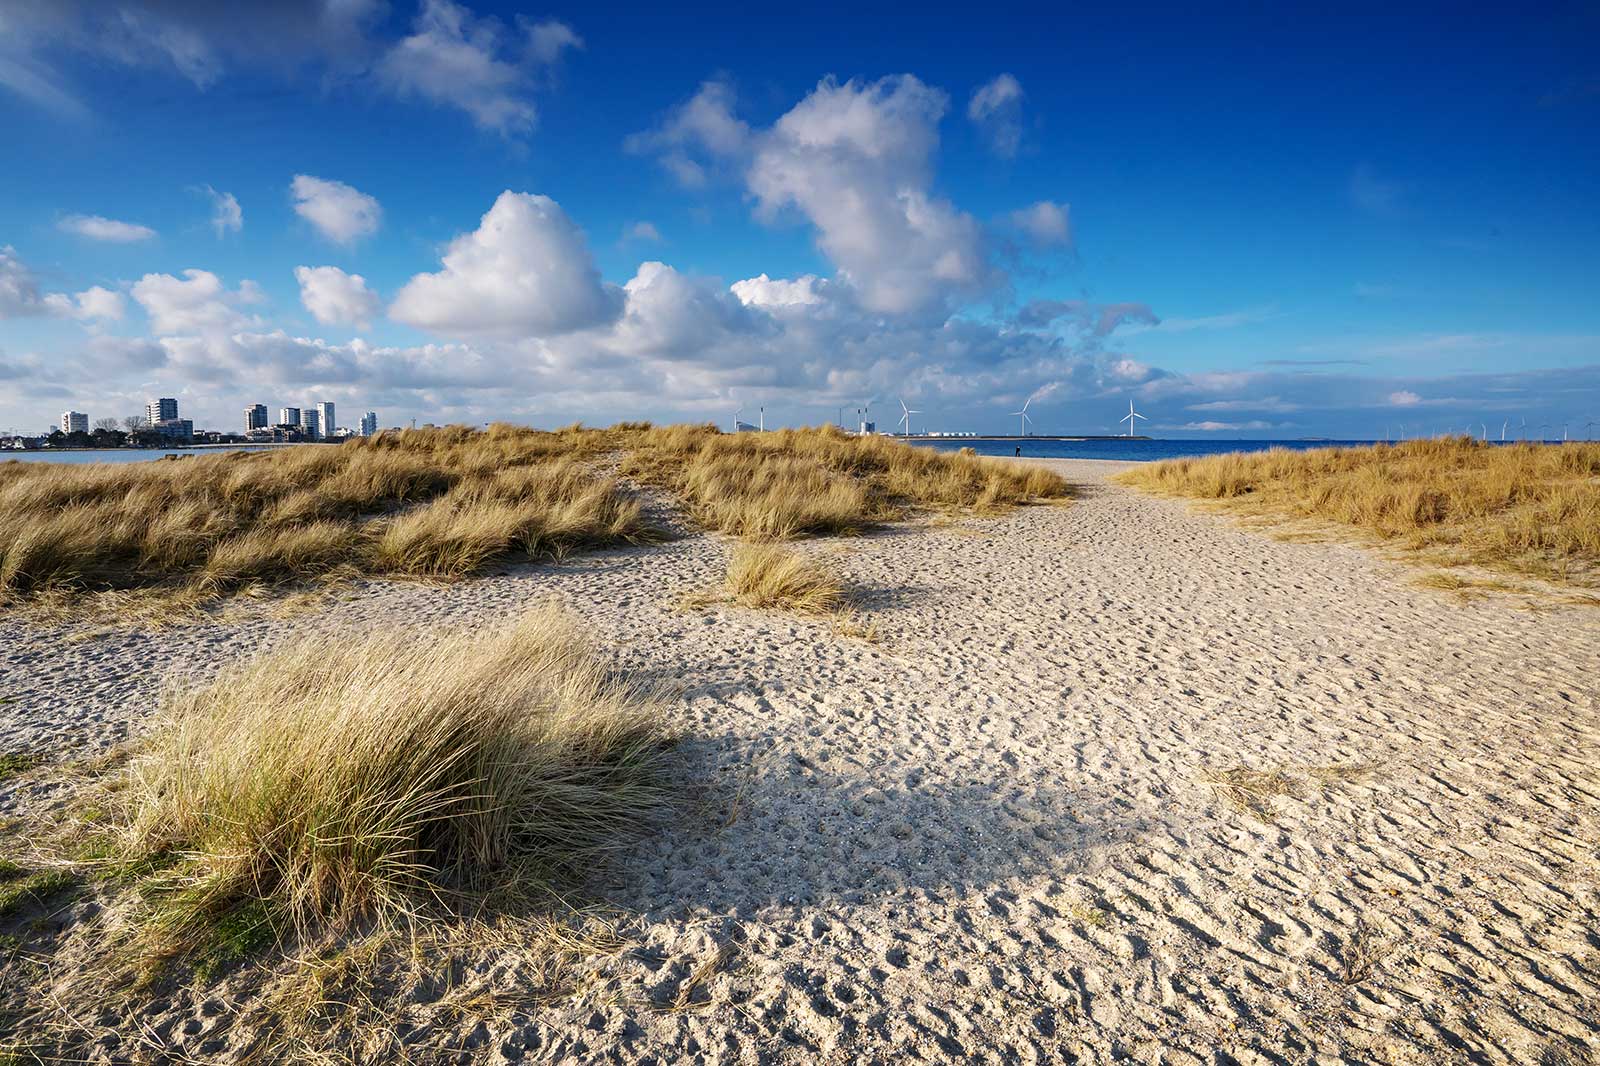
{"x": 990, "y": 838}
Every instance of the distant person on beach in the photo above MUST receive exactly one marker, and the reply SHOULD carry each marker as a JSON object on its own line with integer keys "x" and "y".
{"x": 1019, "y": 451}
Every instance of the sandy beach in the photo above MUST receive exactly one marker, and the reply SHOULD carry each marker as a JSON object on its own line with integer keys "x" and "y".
{"x": 1022, "y": 827}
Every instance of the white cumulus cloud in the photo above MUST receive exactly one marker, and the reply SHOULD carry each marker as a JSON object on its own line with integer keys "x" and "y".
{"x": 97, "y": 228}
{"x": 335, "y": 298}
{"x": 197, "y": 303}
{"x": 854, "y": 159}
{"x": 343, "y": 214}
{"x": 1404, "y": 398}
{"x": 92, "y": 303}
{"x": 525, "y": 271}
{"x": 762, "y": 291}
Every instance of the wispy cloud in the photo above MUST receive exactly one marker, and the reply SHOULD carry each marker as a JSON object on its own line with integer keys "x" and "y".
{"x": 1267, "y": 404}
{"x": 97, "y": 228}
{"x": 996, "y": 109}
{"x": 226, "y": 215}
{"x": 1226, "y": 320}
{"x": 1219, "y": 427}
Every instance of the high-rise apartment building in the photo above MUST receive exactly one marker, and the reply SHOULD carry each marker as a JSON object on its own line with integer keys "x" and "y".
{"x": 325, "y": 415}
{"x": 310, "y": 424}
{"x": 162, "y": 410}
{"x": 180, "y": 430}
{"x": 74, "y": 422}
{"x": 369, "y": 423}
{"x": 288, "y": 416}
{"x": 255, "y": 417}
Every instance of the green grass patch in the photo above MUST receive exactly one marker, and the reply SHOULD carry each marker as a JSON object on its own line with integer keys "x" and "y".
{"x": 35, "y": 888}
{"x": 13, "y": 763}
{"x": 237, "y": 934}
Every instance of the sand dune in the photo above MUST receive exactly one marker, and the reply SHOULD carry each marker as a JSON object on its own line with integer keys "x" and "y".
{"x": 1017, "y": 830}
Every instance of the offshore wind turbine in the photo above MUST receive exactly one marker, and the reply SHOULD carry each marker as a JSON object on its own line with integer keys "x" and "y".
{"x": 1131, "y": 416}
{"x": 1024, "y": 414}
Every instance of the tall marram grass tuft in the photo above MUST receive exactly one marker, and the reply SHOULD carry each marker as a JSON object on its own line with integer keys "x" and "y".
{"x": 1528, "y": 508}
{"x": 333, "y": 780}
{"x": 772, "y": 577}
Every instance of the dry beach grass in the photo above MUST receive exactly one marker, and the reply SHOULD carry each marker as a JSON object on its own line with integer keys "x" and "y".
{"x": 397, "y": 795}
{"x": 813, "y": 482}
{"x": 767, "y": 576}
{"x": 1527, "y": 508}
{"x": 395, "y": 771}
{"x": 451, "y": 503}
{"x": 441, "y": 503}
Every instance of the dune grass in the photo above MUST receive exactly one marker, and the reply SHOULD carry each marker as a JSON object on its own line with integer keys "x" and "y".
{"x": 434, "y": 503}
{"x": 326, "y": 782}
{"x": 1525, "y": 508}
{"x": 451, "y": 503}
{"x": 813, "y": 482}
{"x": 770, "y": 577}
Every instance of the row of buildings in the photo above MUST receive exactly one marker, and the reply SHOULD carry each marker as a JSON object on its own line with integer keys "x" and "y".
{"x": 318, "y": 422}
{"x": 294, "y": 424}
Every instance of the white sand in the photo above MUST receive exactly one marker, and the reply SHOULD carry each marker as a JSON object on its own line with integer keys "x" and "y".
{"x": 989, "y": 838}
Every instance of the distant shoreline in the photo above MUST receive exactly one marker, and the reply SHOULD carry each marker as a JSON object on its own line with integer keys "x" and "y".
{"x": 918, "y": 437}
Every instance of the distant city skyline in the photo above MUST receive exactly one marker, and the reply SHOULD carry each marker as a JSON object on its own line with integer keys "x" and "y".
{"x": 318, "y": 421}
{"x": 1250, "y": 225}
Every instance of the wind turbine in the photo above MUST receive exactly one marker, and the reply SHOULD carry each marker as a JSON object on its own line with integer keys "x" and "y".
{"x": 763, "y": 418}
{"x": 1024, "y": 414}
{"x": 1522, "y": 430}
{"x": 905, "y": 418}
{"x": 1131, "y": 416}
{"x": 1588, "y": 431}
{"x": 1503, "y": 426}
{"x": 1542, "y": 427}
{"x": 1485, "y": 428}
{"x": 737, "y": 411}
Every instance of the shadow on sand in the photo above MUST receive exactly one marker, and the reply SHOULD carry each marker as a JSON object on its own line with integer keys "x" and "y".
{"x": 792, "y": 833}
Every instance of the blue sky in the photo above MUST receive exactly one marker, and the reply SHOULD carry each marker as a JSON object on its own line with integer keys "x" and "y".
{"x": 1262, "y": 225}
